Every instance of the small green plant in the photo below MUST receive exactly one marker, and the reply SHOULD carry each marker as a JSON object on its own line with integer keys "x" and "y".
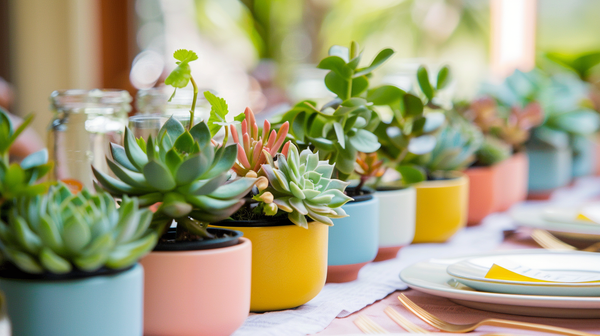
{"x": 301, "y": 186}
{"x": 181, "y": 76}
{"x": 18, "y": 180}
{"x": 455, "y": 147}
{"x": 60, "y": 231}
{"x": 492, "y": 151}
{"x": 342, "y": 127}
{"x": 410, "y": 131}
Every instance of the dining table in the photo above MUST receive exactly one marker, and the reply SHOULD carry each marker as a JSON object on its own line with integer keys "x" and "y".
{"x": 335, "y": 309}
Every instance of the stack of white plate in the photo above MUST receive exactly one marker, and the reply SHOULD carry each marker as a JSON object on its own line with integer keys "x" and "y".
{"x": 463, "y": 281}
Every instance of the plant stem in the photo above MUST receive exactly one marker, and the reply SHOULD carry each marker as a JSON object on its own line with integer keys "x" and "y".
{"x": 193, "y": 108}
{"x": 401, "y": 156}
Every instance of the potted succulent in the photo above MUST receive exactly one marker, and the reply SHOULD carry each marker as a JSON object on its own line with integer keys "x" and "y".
{"x": 405, "y": 133}
{"x": 498, "y": 178}
{"x": 71, "y": 263}
{"x": 288, "y": 216}
{"x": 447, "y": 188}
{"x": 338, "y": 130}
{"x": 560, "y": 147}
{"x": 186, "y": 173}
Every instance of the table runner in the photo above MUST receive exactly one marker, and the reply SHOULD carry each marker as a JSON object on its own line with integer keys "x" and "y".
{"x": 377, "y": 280}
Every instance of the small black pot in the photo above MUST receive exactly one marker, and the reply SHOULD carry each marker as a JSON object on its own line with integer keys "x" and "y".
{"x": 225, "y": 238}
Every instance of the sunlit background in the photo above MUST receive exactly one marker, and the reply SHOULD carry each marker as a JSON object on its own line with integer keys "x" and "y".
{"x": 261, "y": 53}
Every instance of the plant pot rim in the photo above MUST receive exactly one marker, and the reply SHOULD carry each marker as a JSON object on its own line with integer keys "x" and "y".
{"x": 368, "y": 195}
{"x": 10, "y": 271}
{"x": 241, "y": 243}
{"x": 263, "y": 222}
{"x": 201, "y": 244}
{"x": 460, "y": 179}
{"x": 394, "y": 189}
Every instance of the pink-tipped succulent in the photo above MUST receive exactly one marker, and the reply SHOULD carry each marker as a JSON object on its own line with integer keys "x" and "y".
{"x": 520, "y": 122}
{"x": 250, "y": 156}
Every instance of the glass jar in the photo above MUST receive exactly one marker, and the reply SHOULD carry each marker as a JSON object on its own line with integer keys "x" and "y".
{"x": 154, "y": 101}
{"x": 84, "y": 125}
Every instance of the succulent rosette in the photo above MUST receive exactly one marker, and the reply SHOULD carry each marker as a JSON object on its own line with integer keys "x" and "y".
{"x": 301, "y": 185}
{"x": 61, "y": 231}
{"x": 183, "y": 170}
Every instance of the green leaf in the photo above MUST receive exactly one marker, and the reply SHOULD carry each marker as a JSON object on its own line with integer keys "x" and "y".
{"x": 19, "y": 129}
{"x": 365, "y": 141}
{"x": 185, "y": 143}
{"x": 191, "y": 169}
{"x": 134, "y": 153}
{"x": 76, "y": 234}
{"x": 218, "y": 111}
{"x": 201, "y": 133}
{"x": 235, "y": 189}
{"x": 224, "y": 163}
{"x": 53, "y": 262}
{"x": 119, "y": 155}
{"x": 28, "y": 240}
{"x": 359, "y": 85}
{"x": 385, "y": 95}
{"x": 130, "y": 177}
{"x": 35, "y": 159}
{"x": 297, "y": 128}
{"x": 336, "y": 84}
{"x": 337, "y": 65}
{"x": 443, "y": 78}
{"x": 173, "y": 160}
{"x": 49, "y": 233}
{"x": 339, "y": 133}
{"x": 411, "y": 174}
{"x": 172, "y": 129}
{"x": 377, "y": 62}
{"x": 413, "y": 106}
{"x": 128, "y": 254}
{"x": 184, "y": 55}
{"x": 180, "y": 76}
{"x": 424, "y": 84}
{"x": 23, "y": 261}
{"x": 159, "y": 176}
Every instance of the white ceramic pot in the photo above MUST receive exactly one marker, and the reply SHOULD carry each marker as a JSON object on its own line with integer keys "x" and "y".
{"x": 397, "y": 212}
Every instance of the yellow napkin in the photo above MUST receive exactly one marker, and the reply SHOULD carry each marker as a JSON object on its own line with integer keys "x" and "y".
{"x": 508, "y": 270}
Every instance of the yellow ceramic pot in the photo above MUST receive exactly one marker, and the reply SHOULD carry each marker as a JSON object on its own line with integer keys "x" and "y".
{"x": 289, "y": 263}
{"x": 441, "y": 208}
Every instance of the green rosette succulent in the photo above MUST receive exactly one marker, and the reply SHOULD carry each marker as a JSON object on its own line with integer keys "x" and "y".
{"x": 301, "y": 185}
{"x": 60, "y": 231}
{"x": 181, "y": 169}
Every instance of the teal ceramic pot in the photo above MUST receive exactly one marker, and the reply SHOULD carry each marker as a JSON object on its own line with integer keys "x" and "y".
{"x": 584, "y": 156}
{"x": 94, "y": 306}
{"x": 549, "y": 168}
{"x": 353, "y": 240}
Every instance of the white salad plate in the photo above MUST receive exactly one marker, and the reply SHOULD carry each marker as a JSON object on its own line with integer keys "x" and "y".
{"x": 536, "y": 216}
{"x": 472, "y": 271}
{"x": 431, "y": 277}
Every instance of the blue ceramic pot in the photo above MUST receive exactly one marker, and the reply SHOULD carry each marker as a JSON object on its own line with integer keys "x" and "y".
{"x": 549, "y": 168}
{"x": 584, "y": 156}
{"x": 353, "y": 240}
{"x": 95, "y": 306}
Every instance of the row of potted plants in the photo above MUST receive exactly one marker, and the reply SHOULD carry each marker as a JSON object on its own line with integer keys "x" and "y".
{"x": 228, "y": 217}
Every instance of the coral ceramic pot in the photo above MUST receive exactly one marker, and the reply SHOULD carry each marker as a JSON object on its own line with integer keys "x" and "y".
{"x": 202, "y": 292}
{"x": 549, "y": 168}
{"x": 353, "y": 240}
{"x": 289, "y": 263}
{"x": 96, "y": 306}
{"x": 484, "y": 183}
{"x": 513, "y": 176}
{"x": 442, "y": 208}
{"x": 397, "y": 212}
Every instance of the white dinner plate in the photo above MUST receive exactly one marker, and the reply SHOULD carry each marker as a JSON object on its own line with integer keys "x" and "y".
{"x": 431, "y": 277}
{"x": 472, "y": 271}
{"x": 532, "y": 215}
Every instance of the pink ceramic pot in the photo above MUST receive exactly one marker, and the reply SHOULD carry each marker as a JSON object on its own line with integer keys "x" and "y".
{"x": 483, "y": 192}
{"x": 513, "y": 176}
{"x": 204, "y": 292}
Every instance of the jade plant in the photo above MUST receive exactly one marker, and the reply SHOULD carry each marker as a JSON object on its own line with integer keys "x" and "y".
{"x": 18, "y": 179}
{"x": 341, "y": 128}
{"x": 60, "y": 232}
{"x": 415, "y": 118}
{"x": 301, "y": 185}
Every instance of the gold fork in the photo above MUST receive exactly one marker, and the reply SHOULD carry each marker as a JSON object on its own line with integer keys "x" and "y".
{"x": 463, "y": 328}
{"x": 403, "y": 322}
{"x": 550, "y": 242}
{"x": 368, "y": 326}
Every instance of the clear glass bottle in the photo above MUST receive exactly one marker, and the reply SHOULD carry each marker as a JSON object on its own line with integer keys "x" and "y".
{"x": 85, "y": 123}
